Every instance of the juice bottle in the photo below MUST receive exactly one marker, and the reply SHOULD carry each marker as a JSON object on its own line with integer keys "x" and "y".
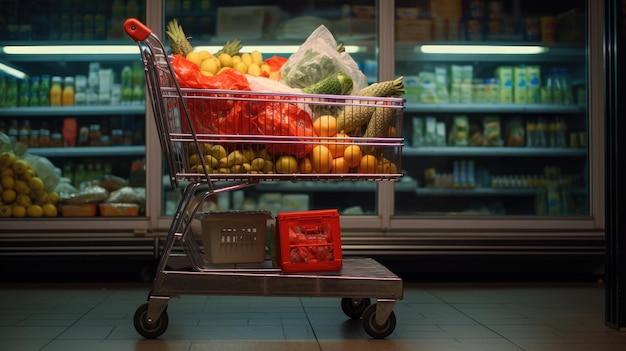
{"x": 56, "y": 90}
{"x": 67, "y": 98}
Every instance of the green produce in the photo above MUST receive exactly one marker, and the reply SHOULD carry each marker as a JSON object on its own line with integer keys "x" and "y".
{"x": 353, "y": 116}
{"x": 312, "y": 68}
{"x": 337, "y": 84}
{"x": 178, "y": 40}
{"x": 378, "y": 126}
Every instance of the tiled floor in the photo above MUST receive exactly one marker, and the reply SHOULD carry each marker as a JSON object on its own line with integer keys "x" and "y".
{"x": 433, "y": 316}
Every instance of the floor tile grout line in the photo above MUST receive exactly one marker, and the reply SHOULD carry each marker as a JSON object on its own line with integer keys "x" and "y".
{"x": 306, "y": 314}
{"x": 479, "y": 323}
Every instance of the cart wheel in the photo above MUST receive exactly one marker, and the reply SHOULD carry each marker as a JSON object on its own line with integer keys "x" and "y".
{"x": 149, "y": 330}
{"x": 374, "y": 329}
{"x": 354, "y": 308}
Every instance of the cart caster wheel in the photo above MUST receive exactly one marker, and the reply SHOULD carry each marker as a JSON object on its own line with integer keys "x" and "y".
{"x": 354, "y": 308}
{"x": 149, "y": 330}
{"x": 372, "y": 327}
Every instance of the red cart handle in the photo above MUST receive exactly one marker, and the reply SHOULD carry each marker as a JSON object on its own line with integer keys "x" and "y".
{"x": 136, "y": 30}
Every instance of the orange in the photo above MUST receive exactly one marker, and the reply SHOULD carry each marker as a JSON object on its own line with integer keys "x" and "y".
{"x": 339, "y": 166}
{"x": 321, "y": 159}
{"x": 336, "y": 145}
{"x": 352, "y": 154}
{"x": 368, "y": 164}
{"x": 325, "y": 125}
{"x": 305, "y": 166}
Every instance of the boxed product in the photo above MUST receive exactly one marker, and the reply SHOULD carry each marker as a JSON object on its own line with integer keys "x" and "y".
{"x": 414, "y": 29}
{"x": 308, "y": 241}
{"x": 234, "y": 236}
{"x": 118, "y": 209}
{"x": 81, "y": 210}
{"x": 446, "y": 9}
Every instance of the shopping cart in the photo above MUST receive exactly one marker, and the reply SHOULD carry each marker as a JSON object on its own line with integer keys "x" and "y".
{"x": 220, "y": 140}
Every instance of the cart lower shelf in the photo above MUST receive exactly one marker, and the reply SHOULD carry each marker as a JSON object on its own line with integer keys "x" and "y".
{"x": 359, "y": 280}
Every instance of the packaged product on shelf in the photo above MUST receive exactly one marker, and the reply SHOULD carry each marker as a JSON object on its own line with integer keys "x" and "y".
{"x": 417, "y": 135}
{"x": 69, "y": 131}
{"x": 460, "y": 131}
{"x": 80, "y": 93}
{"x": 520, "y": 88}
{"x": 430, "y": 132}
{"x": 411, "y": 88}
{"x": 56, "y": 90}
{"x": 541, "y": 134}
{"x": 505, "y": 77}
{"x": 441, "y": 135}
{"x": 11, "y": 92}
{"x": 479, "y": 92}
{"x": 67, "y": 97}
{"x": 492, "y": 131}
{"x": 428, "y": 87}
{"x": 475, "y": 136}
{"x": 533, "y": 74}
{"x": 515, "y": 132}
{"x": 548, "y": 29}
{"x": 105, "y": 79}
{"x": 24, "y": 90}
{"x": 441, "y": 84}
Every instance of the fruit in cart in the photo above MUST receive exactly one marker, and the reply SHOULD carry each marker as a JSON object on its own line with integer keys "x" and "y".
{"x": 368, "y": 164}
{"x": 352, "y": 155}
{"x": 7, "y": 158}
{"x": 249, "y": 154}
{"x": 238, "y": 169}
{"x": 321, "y": 159}
{"x": 8, "y": 181}
{"x": 305, "y": 166}
{"x": 9, "y": 196}
{"x": 257, "y": 164}
{"x": 24, "y": 200}
{"x": 194, "y": 56}
{"x": 385, "y": 166}
{"x": 378, "y": 126}
{"x": 354, "y": 116}
{"x": 36, "y": 184}
{"x": 218, "y": 151}
{"x": 339, "y": 166}
{"x": 254, "y": 69}
{"x": 226, "y": 60}
{"x": 286, "y": 164}
{"x": 211, "y": 161}
{"x": 269, "y": 167}
{"x": 6, "y": 211}
{"x": 233, "y": 158}
{"x": 257, "y": 57}
{"x": 200, "y": 169}
{"x": 194, "y": 160}
{"x": 336, "y": 84}
{"x": 325, "y": 125}
{"x": 179, "y": 42}
{"x": 210, "y": 65}
{"x": 264, "y": 154}
{"x": 21, "y": 187}
{"x": 337, "y": 145}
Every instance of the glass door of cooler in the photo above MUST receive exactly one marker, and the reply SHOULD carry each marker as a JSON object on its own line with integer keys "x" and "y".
{"x": 72, "y": 108}
{"x": 276, "y": 30}
{"x": 497, "y": 118}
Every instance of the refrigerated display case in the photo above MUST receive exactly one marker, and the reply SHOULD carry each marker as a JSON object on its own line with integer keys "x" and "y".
{"x": 427, "y": 213}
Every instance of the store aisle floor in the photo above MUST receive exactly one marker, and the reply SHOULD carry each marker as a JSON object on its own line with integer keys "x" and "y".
{"x": 437, "y": 317}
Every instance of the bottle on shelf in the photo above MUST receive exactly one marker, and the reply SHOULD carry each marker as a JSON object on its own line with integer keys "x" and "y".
{"x": 44, "y": 90}
{"x": 67, "y": 98}
{"x": 56, "y": 90}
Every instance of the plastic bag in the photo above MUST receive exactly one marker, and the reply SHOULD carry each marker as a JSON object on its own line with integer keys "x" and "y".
{"x": 49, "y": 174}
{"x": 318, "y": 58}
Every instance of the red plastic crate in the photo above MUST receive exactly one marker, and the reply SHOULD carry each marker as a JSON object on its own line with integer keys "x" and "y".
{"x": 308, "y": 241}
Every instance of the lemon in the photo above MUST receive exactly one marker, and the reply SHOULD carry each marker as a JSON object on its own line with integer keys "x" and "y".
{"x": 41, "y": 199}
{"x": 257, "y": 164}
{"x": 19, "y": 211}
{"x": 49, "y": 210}
{"x": 203, "y": 55}
{"x": 194, "y": 56}
{"x": 194, "y": 160}
{"x": 368, "y": 164}
{"x": 256, "y": 57}
{"x": 321, "y": 159}
{"x": 8, "y": 182}
{"x": 254, "y": 69}
{"x": 36, "y": 184}
{"x": 20, "y": 166}
{"x": 209, "y": 65}
{"x": 286, "y": 164}
{"x": 236, "y": 58}
{"x": 225, "y": 60}
{"x": 24, "y": 200}
{"x": 305, "y": 166}
{"x": 246, "y": 58}
{"x": 241, "y": 67}
{"x": 207, "y": 73}
{"x": 34, "y": 211}
{"x": 6, "y": 211}
{"x": 8, "y": 196}
{"x": 53, "y": 197}
{"x": 22, "y": 187}
{"x": 7, "y": 171}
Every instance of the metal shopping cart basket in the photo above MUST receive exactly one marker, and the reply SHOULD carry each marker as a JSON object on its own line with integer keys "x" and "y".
{"x": 221, "y": 140}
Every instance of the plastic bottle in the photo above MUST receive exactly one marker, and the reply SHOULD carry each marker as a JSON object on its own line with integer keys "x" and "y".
{"x": 557, "y": 87}
{"x": 117, "y": 19}
{"x": 67, "y": 98}
{"x": 568, "y": 92}
{"x": 56, "y": 89}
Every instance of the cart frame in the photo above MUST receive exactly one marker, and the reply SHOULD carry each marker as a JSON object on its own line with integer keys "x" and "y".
{"x": 359, "y": 278}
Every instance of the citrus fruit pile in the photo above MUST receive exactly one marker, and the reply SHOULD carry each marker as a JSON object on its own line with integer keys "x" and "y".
{"x": 22, "y": 193}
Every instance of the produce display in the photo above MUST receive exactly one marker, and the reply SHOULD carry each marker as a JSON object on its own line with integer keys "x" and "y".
{"x": 321, "y": 66}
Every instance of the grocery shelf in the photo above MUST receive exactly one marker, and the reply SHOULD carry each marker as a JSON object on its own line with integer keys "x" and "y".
{"x": 73, "y": 110}
{"x": 477, "y": 151}
{"x": 493, "y": 108}
{"x": 361, "y": 186}
{"x": 89, "y": 151}
{"x": 484, "y": 191}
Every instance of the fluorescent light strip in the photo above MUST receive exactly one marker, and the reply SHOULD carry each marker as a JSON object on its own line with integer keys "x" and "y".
{"x": 12, "y": 71}
{"x": 482, "y": 49}
{"x": 69, "y": 49}
{"x": 283, "y": 49}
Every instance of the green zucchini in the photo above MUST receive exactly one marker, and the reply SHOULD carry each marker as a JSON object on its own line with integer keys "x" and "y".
{"x": 337, "y": 84}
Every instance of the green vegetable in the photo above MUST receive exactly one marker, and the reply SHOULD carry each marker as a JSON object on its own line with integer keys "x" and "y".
{"x": 337, "y": 84}
{"x": 378, "y": 126}
{"x": 312, "y": 68}
{"x": 354, "y": 116}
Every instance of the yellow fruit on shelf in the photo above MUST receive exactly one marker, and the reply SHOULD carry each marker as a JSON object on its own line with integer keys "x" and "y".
{"x": 24, "y": 200}
{"x": 20, "y": 166}
{"x": 53, "y": 197}
{"x": 19, "y": 211}
{"x": 8, "y": 182}
{"x": 36, "y": 184}
{"x": 49, "y": 210}
{"x": 368, "y": 164}
{"x": 8, "y": 196}
{"x": 7, "y": 158}
{"x": 352, "y": 155}
{"x": 286, "y": 164}
{"x": 321, "y": 159}
{"x": 21, "y": 187}
{"x": 34, "y": 210}
{"x": 6, "y": 211}
{"x": 7, "y": 171}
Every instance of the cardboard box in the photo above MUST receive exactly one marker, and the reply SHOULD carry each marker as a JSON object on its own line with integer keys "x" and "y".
{"x": 446, "y": 9}
{"x": 308, "y": 241}
{"x": 414, "y": 29}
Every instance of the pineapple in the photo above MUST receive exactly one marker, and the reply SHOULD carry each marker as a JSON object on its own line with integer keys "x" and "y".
{"x": 231, "y": 48}
{"x": 178, "y": 41}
